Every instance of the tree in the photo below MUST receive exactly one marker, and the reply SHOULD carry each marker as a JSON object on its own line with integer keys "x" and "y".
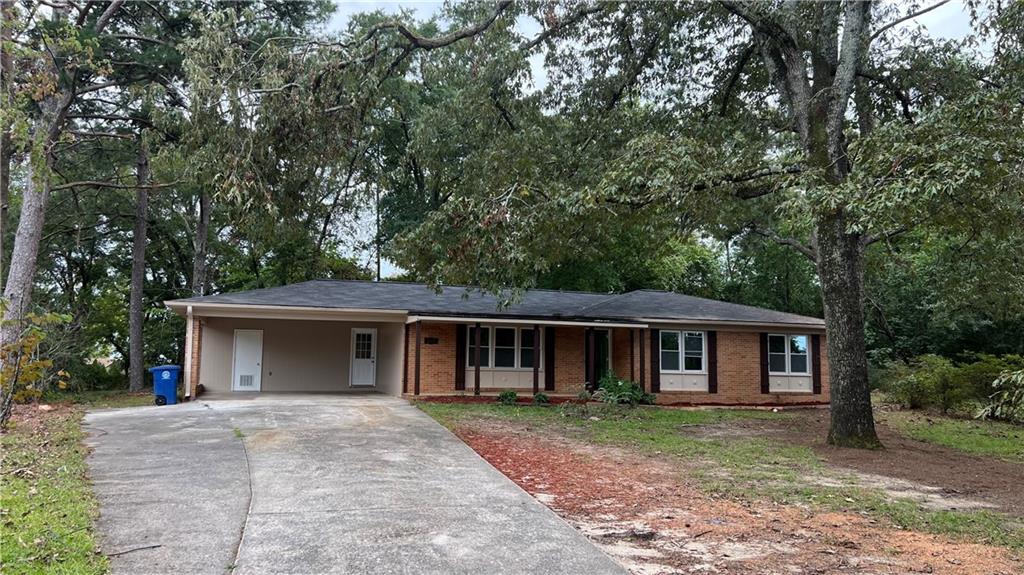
{"x": 798, "y": 122}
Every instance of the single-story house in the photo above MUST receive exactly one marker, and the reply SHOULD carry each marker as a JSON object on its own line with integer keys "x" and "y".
{"x": 411, "y": 340}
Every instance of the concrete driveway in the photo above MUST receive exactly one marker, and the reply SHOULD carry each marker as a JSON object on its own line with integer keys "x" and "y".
{"x": 313, "y": 484}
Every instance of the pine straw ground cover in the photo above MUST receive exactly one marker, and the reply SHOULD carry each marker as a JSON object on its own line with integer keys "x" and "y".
{"x": 46, "y": 503}
{"x": 674, "y": 491}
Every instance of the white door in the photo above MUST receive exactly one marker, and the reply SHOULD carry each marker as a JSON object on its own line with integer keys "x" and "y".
{"x": 364, "y": 356}
{"x": 245, "y": 373}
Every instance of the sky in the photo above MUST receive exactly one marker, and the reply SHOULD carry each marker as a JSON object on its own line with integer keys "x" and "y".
{"x": 949, "y": 21}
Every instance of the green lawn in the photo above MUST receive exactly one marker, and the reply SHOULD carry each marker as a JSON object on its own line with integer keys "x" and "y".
{"x": 988, "y": 438}
{"x": 101, "y": 399}
{"x": 740, "y": 466}
{"x": 46, "y": 503}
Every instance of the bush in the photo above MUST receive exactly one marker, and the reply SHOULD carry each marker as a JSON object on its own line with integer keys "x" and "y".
{"x": 980, "y": 370}
{"x": 92, "y": 376}
{"x": 508, "y": 397}
{"x": 622, "y": 391}
{"x": 928, "y": 381}
{"x": 931, "y": 381}
{"x": 1007, "y": 403}
{"x": 541, "y": 398}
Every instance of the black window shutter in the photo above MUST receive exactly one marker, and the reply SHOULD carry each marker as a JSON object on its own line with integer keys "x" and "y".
{"x": 655, "y": 362}
{"x": 816, "y": 364}
{"x": 460, "y": 357}
{"x": 764, "y": 363}
{"x": 712, "y": 362}
{"x": 549, "y": 358}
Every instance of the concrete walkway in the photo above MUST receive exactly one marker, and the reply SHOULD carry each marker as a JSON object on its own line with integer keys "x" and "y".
{"x": 313, "y": 484}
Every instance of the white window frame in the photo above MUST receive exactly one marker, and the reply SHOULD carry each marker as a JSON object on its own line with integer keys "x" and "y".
{"x": 519, "y": 349}
{"x": 681, "y": 334}
{"x": 491, "y": 346}
{"x": 789, "y": 371}
{"x": 470, "y": 346}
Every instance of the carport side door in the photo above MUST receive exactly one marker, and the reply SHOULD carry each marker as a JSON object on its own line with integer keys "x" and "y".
{"x": 364, "y": 357}
{"x": 248, "y": 357}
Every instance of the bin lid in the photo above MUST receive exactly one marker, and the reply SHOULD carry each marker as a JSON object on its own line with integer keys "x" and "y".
{"x": 165, "y": 368}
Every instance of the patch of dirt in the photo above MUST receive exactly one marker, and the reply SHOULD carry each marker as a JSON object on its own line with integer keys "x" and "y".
{"x": 647, "y": 515}
{"x": 935, "y": 475}
{"x": 29, "y": 417}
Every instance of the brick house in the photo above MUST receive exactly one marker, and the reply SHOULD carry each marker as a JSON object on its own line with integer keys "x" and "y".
{"x": 410, "y": 340}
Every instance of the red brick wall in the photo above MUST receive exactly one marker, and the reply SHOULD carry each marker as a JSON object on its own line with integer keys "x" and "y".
{"x": 437, "y": 361}
{"x": 194, "y": 353}
{"x": 739, "y": 371}
{"x": 739, "y": 376}
{"x": 570, "y": 373}
{"x": 620, "y": 354}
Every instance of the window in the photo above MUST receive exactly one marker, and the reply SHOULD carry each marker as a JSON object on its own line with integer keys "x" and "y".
{"x": 485, "y": 347}
{"x": 526, "y": 347}
{"x": 798, "y": 354}
{"x": 682, "y": 351}
{"x": 504, "y": 347}
{"x": 669, "y": 351}
{"x": 693, "y": 351}
{"x": 787, "y": 354}
{"x": 501, "y": 347}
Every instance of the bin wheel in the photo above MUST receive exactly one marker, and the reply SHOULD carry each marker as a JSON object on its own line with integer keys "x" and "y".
{"x": 160, "y": 400}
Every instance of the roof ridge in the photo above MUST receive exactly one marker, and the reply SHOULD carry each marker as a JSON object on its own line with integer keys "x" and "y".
{"x": 425, "y": 284}
{"x": 604, "y": 301}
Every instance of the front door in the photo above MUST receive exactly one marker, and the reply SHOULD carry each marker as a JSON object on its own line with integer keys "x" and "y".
{"x": 364, "y": 357}
{"x": 246, "y": 369}
{"x": 598, "y": 363}
{"x": 603, "y": 359}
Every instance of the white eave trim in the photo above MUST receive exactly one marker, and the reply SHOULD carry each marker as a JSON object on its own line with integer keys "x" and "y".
{"x": 724, "y": 323}
{"x": 205, "y": 309}
{"x": 518, "y": 321}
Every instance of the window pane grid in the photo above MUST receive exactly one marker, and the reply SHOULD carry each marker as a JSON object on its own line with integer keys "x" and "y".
{"x": 510, "y": 348}
{"x": 682, "y": 351}
{"x": 788, "y": 355}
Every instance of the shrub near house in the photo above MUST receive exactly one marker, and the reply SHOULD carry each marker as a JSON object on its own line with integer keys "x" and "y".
{"x": 935, "y": 382}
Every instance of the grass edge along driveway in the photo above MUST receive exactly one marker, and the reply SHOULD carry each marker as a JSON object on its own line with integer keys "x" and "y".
{"x": 733, "y": 466}
{"x": 47, "y": 506}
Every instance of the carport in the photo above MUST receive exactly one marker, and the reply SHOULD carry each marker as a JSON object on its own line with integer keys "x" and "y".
{"x": 238, "y": 348}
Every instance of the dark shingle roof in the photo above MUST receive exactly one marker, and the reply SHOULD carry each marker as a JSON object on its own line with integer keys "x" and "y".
{"x": 654, "y": 304}
{"x": 420, "y": 299}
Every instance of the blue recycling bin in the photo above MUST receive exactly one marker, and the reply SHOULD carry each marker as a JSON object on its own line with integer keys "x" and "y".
{"x": 165, "y": 384}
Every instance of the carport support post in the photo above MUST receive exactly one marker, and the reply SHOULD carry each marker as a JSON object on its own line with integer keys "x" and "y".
{"x": 416, "y": 377}
{"x": 187, "y": 379}
{"x": 632, "y": 356}
{"x": 476, "y": 360}
{"x": 536, "y": 359}
{"x": 642, "y": 360}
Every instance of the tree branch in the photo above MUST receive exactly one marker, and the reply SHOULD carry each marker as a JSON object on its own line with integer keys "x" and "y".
{"x": 101, "y": 184}
{"x": 851, "y": 58}
{"x": 910, "y": 16}
{"x": 140, "y": 38}
{"x": 809, "y": 251}
{"x": 734, "y": 78}
{"x": 901, "y": 95}
{"x": 563, "y": 24}
{"x": 107, "y": 14}
{"x": 102, "y": 135}
{"x": 867, "y": 240}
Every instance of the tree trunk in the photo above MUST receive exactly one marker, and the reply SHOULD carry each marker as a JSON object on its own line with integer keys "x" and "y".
{"x": 841, "y": 272}
{"x": 6, "y": 88}
{"x": 201, "y": 241}
{"x": 136, "y": 313}
{"x": 18, "y": 291}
